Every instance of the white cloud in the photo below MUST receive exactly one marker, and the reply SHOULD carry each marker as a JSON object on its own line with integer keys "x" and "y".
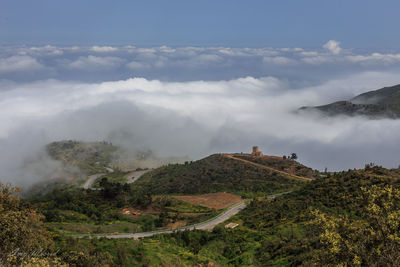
{"x": 19, "y": 64}
{"x": 166, "y": 49}
{"x": 103, "y": 49}
{"x": 90, "y": 63}
{"x": 375, "y": 58}
{"x": 333, "y": 47}
{"x": 203, "y": 95}
{"x": 231, "y": 115}
{"x": 188, "y": 63}
{"x": 208, "y": 58}
{"x": 309, "y": 53}
{"x": 319, "y": 59}
{"x": 279, "y": 60}
{"x": 48, "y": 50}
{"x": 137, "y": 65}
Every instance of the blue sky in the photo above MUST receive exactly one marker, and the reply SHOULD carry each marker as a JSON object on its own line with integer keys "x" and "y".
{"x": 310, "y": 23}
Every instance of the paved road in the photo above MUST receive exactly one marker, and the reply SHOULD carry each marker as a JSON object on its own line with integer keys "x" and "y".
{"x": 91, "y": 179}
{"x": 131, "y": 178}
{"x": 296, "y": 177}
{"x": 207, "y": 225}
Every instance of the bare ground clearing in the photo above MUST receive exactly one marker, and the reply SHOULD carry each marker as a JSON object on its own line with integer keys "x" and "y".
{"x": 216, "y": 201}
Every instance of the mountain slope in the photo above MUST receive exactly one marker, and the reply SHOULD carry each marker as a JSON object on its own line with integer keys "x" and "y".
{"x": 89, "y": 157}
{"x": 216, "y": 173}
{"x": 288, "y": 167}
{"x": 380, "y": 103}
{"x": 284, "y": 231}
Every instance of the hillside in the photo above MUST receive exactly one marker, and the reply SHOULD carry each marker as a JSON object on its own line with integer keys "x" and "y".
{"x": 282, "y": 164}
{"x": 327, "y": 222}
{"x": 89, "y": 157}
{"x": 287, "y": 231}
{"x": 384, "y": 102}
{"x": 344, "y": 219}
{"x": 215, "y": 173}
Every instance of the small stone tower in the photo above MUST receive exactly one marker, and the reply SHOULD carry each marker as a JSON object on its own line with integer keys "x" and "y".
{"x": 256, "y": 152}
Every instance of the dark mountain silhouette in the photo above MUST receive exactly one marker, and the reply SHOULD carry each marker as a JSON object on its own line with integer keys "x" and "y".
{"x": 382, "y": 103}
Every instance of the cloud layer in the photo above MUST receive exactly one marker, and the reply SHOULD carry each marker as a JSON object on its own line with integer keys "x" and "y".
{"x": 89, "y": 94}
{"x": 103, "y": 63}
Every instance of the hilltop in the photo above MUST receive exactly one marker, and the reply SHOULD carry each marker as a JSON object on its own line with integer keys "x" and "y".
{"x": 89, "y": 157}
{"x": 220, "y": 173}
{"x": 384, "y": 102}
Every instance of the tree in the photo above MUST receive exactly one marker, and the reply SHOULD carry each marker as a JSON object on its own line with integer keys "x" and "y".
{"x": 373, "y": 240}
{"x": 293, "y": 156}
{"x": 22, "y": 235}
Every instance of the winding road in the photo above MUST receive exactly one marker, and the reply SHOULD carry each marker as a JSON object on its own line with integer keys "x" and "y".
{"x": 91, "y": 179}
{"x": 131, "y": 178}
{"x": 206, "y": 225}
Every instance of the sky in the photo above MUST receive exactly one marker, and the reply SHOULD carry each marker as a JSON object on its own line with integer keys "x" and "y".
{"x": 186, "y": 78}
{"x": 233, "y": 23}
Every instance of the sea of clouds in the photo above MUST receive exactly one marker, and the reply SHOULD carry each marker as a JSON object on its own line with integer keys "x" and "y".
{"x": 191, "y": 101}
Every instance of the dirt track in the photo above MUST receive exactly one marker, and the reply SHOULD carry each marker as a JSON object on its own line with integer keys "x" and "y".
{"x": 288, "y": 175}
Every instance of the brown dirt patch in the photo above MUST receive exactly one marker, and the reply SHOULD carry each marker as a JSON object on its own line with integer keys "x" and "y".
{"x": 176, "y": 224}
{"x": 214, "y": 200}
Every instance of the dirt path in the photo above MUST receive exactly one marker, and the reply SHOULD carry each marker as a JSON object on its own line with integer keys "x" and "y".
{"x": 288, "y": 175}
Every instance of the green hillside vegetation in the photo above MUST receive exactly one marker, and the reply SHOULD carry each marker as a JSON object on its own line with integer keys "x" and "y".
{"x": 215, "y": 173}
{"x": 69, "y": 210}
{"x": 330, "y": 221}
{"x": 282, "y": 164}
{"x": 347, "y": 219}
{"x": 117, "y": 176}
{"x": 89, "y": 157}
{"x": 384, "y": 102}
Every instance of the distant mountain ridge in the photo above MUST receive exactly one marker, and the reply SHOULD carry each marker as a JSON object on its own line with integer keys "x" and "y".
{"x": 381, "y": 103}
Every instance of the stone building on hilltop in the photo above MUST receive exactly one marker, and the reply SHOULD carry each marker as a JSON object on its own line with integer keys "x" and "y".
{"x": 256, "y": 152}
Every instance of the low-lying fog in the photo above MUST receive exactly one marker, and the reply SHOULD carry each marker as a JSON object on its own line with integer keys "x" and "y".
{"x": 180, "y": 116}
